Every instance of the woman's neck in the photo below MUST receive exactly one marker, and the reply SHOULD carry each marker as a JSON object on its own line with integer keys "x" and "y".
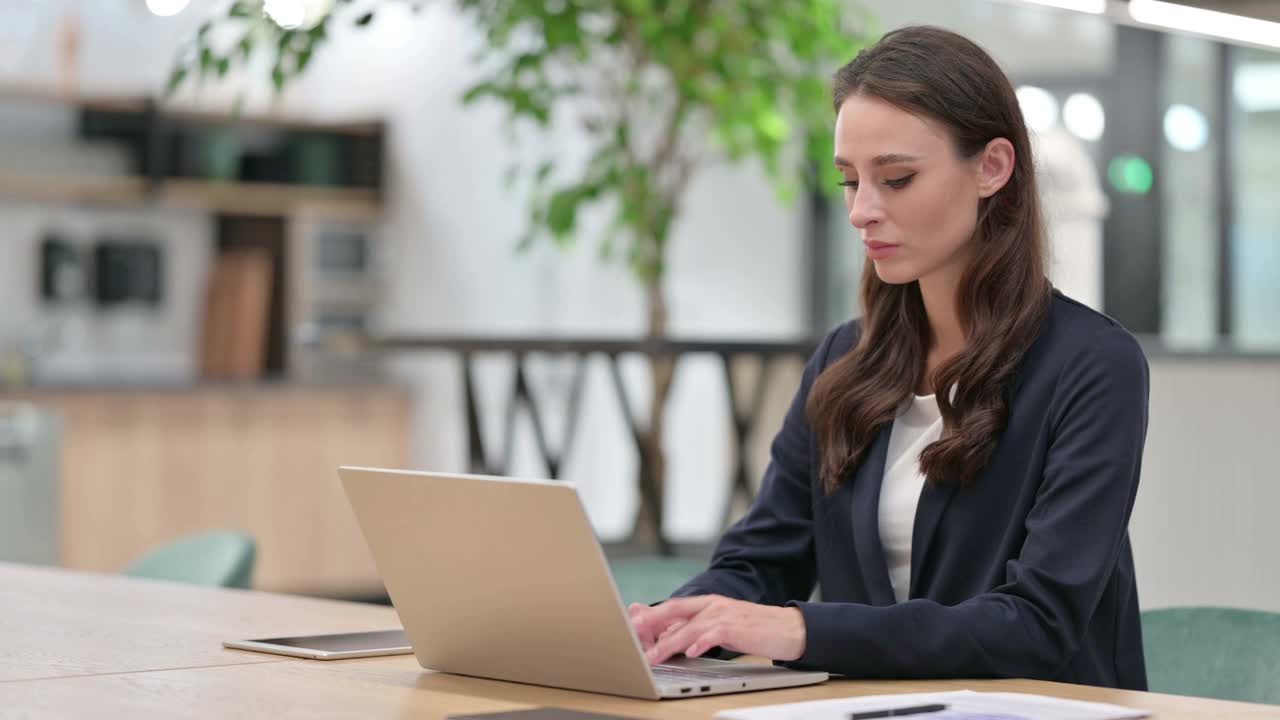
{"x": 946, "y": 333}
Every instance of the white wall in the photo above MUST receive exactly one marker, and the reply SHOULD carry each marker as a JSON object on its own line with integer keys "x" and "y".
{"x": 1204, "y": 528}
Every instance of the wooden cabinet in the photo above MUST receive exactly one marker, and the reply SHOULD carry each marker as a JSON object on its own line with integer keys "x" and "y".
{"x": 141, "y": 467}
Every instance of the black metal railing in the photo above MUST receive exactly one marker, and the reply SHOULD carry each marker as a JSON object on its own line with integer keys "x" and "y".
{"x": 745, "y": 412}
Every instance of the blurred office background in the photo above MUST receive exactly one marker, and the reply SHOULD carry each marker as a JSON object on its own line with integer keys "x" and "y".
{"x": 187, "y": 288}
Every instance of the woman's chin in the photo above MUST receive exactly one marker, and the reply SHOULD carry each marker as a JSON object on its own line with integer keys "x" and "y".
{"x": 893, "y": 273}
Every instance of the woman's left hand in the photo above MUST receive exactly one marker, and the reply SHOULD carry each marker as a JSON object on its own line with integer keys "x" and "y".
{"x": 694, "y": 625}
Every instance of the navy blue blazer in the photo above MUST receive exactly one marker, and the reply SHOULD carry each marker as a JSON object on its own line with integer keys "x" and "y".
{"x": 1026, "y": 573}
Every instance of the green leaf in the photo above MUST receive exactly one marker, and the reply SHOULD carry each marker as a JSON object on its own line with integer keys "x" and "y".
{"x": 561, "y": 30}
{"x": 364, "y": 19}
{"x": 638, "y": 7}
{"x": 526, "y": 104}
{"x": 526, "y": 62}
{"x": 562, "y": 212}
{"x": 223, "y": 65}
{"x": 478, "y": 91}
{"x": 176, "y": 77}
{"x": 239, "y": 9}
{"x": 772, "y": 126}
{"x": 245, "y": 47}
{"x": 304, "y": 57}
{"x": 277, "y": 77}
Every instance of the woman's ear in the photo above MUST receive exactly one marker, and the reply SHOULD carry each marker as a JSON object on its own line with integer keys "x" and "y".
{"x": 995, "y": 167}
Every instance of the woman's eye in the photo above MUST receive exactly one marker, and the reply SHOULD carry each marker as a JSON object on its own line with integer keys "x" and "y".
{"x": 899, "y": 183}
{"x": 895, "y": 183}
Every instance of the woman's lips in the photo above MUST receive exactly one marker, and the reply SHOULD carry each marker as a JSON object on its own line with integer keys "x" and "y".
{"x": 880, "y": 250}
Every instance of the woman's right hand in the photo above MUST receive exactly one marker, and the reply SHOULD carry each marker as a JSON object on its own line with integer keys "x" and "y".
{"x": 694, "y": 625}
{"x": 642, "y": 621}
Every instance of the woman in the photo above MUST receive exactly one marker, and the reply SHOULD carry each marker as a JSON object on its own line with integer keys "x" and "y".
{"x": 957, "y": 471}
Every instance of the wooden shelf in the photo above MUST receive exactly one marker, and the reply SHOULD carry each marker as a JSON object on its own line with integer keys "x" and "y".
{"x": 74, "y": 188}
{"x": 139, "y": 103}
{"x": 269, "y": 198}
{"x": 229, "y": 197}
{"x": 53, "y": 96}
{"x": 151, "y": 130}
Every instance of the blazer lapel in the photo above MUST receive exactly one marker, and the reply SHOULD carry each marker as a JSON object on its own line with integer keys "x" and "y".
{"x": 865, "y": 520}
{"x": 933, "y": 501}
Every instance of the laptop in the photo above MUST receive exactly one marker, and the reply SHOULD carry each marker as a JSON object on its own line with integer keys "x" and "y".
{"x": 503, "y": 578}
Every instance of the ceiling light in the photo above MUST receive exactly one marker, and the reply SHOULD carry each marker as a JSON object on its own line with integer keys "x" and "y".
{"x": 288, "y": 14}
{"x": 1084, "y": 117}
{"x": 1039, "y": 108}
{"x": 297, "y": 14}
{"x": 1185, "y": 128}
{"x": 1205, "y": 22}
{"x": 167, "y": 8}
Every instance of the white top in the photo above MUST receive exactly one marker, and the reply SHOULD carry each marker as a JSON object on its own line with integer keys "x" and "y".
{"x": 918, "y": 424}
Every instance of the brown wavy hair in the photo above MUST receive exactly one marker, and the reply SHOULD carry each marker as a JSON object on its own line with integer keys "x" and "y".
{"x": 1003, "y": 296}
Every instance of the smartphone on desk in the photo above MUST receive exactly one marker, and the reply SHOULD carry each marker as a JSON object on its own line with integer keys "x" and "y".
{"x": 338, "y": 646}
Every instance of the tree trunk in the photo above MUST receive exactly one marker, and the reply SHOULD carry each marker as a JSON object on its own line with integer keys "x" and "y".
{"x": 653, "y": 468}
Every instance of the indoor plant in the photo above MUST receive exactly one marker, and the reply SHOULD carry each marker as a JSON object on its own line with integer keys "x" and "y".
{"x": 668, "y": 81}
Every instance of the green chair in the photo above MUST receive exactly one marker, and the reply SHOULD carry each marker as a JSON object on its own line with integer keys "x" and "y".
{"x": 650, "y": 579}
{"x": 213, "y": 559}
{"x": 1213, "y": 652}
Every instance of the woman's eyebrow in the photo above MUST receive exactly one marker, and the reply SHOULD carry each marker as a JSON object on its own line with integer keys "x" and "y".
{"x": 881, "y": 160}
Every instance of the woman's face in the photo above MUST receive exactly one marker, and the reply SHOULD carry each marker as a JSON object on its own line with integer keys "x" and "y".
{"x": 913, "y": 199}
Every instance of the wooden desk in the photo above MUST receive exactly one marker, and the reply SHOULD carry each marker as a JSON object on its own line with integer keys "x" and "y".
{"x": 59, "y": 623}
{"x": 80, "y": 645}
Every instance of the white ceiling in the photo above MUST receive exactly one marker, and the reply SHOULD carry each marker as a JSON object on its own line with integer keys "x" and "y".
{"x": 1261, "y": 9}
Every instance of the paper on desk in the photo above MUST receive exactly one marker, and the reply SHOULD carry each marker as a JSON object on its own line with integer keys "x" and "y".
{"x": 961, "y": 705}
